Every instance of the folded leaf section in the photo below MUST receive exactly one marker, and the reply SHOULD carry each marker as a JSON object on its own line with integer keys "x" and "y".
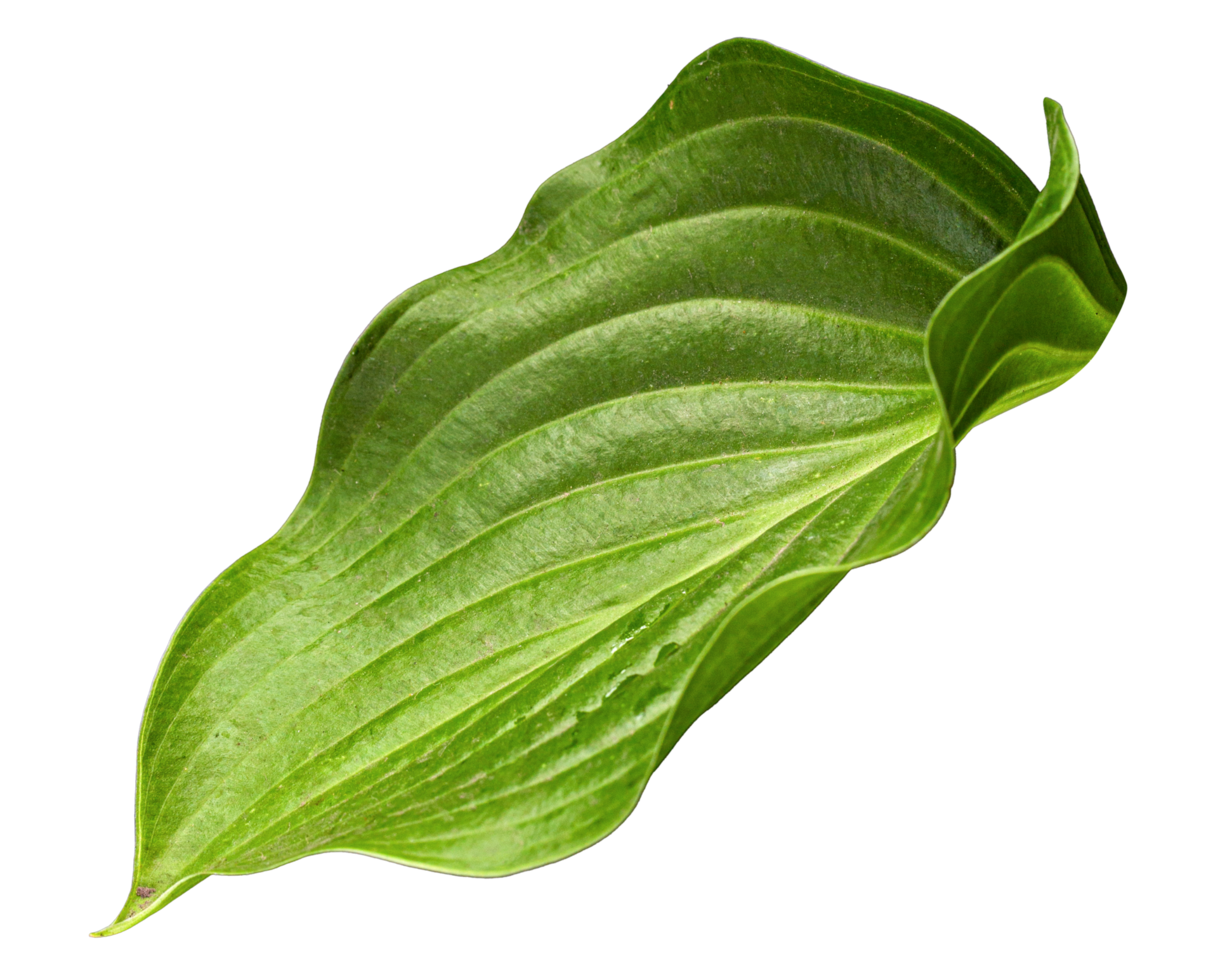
{"x": 1032, "y": 317}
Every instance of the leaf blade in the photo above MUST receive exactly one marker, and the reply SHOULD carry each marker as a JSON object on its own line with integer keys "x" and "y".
{"x": 565, "y": 498}
{"x": 1056, "y": 291}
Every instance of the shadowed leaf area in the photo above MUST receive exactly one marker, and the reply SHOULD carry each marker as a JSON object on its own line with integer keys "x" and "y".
{"x": 568, "y": 496}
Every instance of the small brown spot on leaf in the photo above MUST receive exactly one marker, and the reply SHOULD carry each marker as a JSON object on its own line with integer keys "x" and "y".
{"x": 143, "y": 892}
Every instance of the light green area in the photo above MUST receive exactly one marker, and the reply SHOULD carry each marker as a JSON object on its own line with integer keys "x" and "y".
{"x": 566, "y": 497}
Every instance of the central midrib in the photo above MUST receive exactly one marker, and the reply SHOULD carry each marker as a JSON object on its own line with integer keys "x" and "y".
{"x": 504, "y": 447}
{"x": 780, "y": 514}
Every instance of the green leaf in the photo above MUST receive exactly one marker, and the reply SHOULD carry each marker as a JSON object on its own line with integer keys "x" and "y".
{"x": 565, "y": 498}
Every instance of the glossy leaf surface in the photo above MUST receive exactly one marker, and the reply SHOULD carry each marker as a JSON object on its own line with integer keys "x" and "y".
{"x": 566, "y": 497}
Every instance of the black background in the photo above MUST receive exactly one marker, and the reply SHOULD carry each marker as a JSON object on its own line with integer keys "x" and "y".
{"x": 950, "y": 728}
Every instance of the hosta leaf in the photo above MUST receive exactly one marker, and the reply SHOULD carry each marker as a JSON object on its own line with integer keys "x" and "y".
{"x": 566, "y": 497}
